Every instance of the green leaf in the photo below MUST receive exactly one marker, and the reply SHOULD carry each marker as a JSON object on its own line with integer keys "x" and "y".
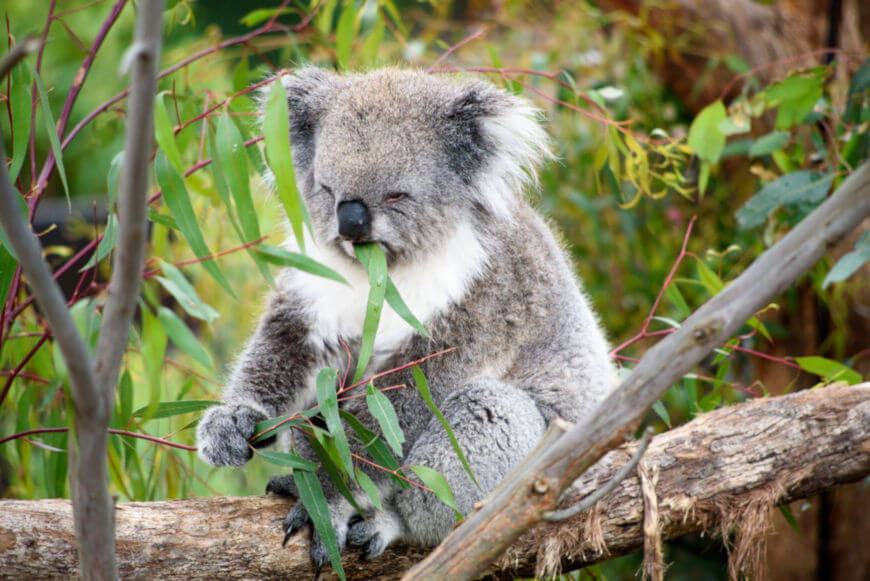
{"x": 800, "y": 186}
{"x": 311, "y": 495}
{"x": 19, "y": 101}
{"x": 153, "y": 355}
{"x": 373, "y": 260}
{"x": 394, "y": 13}
{"x": 383, "y": 411}
{"x": 23, "y": 212}
{"x": 789, "y": 517}
{"x": 423, "y": 388}
{"x": 113, "y": 178}
{"x": 260, "y": 15}
{"x": 162, "y": 219}
{"x": 292, "y": 460}
{"x": 50, "y": 128}
{"x": 848, "y": 264}
{"x": 395, "y": 301}
{"x": 705, "y": 137}
{"x": 331, "y": 466}
{"x": 110, "y": 237}
{"x": 8, "y": 265}
{"x": 230, "y": 148}
{"x": 710, "y": 279}
{"x": 659, "y": 408}
{"x": 345, "y": 32}
{"x": 183, "y": 337}
{"x": 366, "y": 484}
{"x": 438, "y": 484}
{"x": 178, "y": 202}
{"x": 703, "y": 177}
{"x": 369, "y": 53}
{"x": 327, "y": 399}
{"x": 768, "y": 143}
{"x": 281, "y": 257}
{"x": 855, "y": 101}
{"x": 828, "y": 369}
{"x": 164, "y": 133}
{"x": 178, "y": 286}
{"x": 674, "y": 295}
{"x": 220, "y": 168}
{"x": 242, "y": 75}
{"x": 167, "y": 409}
{"x": 276, "y": 129}
{"x": 376, "y": 448}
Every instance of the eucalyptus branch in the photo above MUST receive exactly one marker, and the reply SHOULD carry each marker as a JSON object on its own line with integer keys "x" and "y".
{"x": 519, "y": 501}
{"x": 93, "y": 509}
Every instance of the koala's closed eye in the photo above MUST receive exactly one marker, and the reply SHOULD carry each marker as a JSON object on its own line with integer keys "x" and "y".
{"x": 394, "y": 197}
{"x": 327, "y": 190}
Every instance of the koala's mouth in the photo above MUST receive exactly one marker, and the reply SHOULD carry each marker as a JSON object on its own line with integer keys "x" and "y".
{"x": 347, "y": 247}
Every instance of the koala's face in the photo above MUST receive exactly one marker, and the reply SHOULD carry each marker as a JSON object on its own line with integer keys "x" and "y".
{"x": 381, "y": 175}
{"x": 400, "y": 157}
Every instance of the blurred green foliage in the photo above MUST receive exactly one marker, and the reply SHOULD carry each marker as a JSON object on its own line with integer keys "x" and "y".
{"x": 633, "y": 169}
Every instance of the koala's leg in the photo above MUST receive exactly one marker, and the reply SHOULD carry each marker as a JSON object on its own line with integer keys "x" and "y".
{"x": 496, "y": 426}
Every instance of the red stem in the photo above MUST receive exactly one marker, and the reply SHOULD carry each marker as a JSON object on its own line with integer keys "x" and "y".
{"x": 72, "y": 95}
{"x": 14, "y": 373}
{"x": 157, "y": 271}
{"x": 154, "y": 439}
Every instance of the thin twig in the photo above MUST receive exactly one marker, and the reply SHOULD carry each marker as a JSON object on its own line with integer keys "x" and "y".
{"x": 587, "y": 502}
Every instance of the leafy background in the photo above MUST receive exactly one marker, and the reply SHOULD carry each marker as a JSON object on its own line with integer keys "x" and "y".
{"x": 634, "y": 168}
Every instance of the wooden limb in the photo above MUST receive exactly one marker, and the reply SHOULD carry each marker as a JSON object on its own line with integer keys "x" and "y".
{"x": 714, "y": 472}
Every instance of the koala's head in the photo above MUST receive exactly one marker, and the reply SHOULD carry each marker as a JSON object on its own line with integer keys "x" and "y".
{"x": 402, "y": 157}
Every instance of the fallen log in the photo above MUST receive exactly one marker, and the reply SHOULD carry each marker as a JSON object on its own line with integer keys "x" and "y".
{"x": 725, "y": 469}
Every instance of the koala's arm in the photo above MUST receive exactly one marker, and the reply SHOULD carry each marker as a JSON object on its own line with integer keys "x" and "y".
{"x": 270, "y": 375}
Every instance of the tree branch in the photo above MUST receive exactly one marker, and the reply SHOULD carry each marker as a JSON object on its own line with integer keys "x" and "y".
{"x": 517, "y": 503}
{"x": 94, "y": 519}
{"x": 712, "y": 473}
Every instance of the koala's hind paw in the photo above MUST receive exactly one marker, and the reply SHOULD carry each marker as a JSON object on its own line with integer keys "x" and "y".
{"x": 295, "y": 520}
{"x": 375, "y": 534}
{"x": 282, "y": 485}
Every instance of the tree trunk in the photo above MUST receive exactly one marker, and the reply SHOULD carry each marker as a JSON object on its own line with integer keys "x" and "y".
{"x": 771, "y": 38}
{"x": 725, "y": 469}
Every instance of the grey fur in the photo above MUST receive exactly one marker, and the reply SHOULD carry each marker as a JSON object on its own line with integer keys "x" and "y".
{"x": 483, "y": 268}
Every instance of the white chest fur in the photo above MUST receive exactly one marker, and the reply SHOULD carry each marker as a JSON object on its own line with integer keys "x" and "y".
{"x": 428, "y": 286}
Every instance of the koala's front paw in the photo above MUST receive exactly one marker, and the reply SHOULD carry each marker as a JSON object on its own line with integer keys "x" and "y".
{"x": 223, "y": 433}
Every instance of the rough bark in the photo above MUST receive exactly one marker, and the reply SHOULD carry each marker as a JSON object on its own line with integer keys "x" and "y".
{"x": 724, "y": 468}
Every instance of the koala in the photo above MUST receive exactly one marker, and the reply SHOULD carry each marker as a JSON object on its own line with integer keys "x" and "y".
{"x": 433, "y": 169}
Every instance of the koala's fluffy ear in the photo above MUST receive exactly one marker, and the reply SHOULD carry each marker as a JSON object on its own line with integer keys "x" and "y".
{"x": 494, "y": 142}
{"x": 310, "y": 91}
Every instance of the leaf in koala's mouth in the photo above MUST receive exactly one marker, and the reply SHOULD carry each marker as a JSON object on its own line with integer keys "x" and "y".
{"x": 373, "y": 260}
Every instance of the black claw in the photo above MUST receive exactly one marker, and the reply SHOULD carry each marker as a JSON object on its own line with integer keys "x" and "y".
{"x": 317, "y": 569}
{"x": 286, "y": 538}
{"x": 375, "y": 547}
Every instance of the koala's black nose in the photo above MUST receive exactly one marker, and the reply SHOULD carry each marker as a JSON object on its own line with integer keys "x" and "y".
{"x": 354, "y": 222}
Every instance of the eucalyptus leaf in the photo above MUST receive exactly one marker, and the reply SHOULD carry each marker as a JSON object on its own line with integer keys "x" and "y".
{"x": 178, "y": 202}
{"x": 801, "y": 186}
{"x": 383, "y": 411}
{"x": 311, "y": 495}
